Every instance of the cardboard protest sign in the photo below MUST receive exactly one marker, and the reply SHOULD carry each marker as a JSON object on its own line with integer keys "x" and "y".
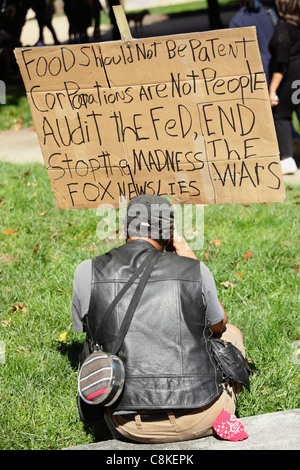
{"x": 183, "y": 116}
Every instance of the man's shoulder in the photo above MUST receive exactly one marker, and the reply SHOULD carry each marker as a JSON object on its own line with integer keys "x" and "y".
{"x": 179, "y": 267}
{"x": 83, "y": 268}
{"x": 193, "y": 264}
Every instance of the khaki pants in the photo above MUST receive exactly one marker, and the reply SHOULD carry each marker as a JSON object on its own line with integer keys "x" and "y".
{"x": 171, "y": 426}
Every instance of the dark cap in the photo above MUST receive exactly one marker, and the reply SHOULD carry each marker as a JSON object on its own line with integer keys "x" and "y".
{"x": 150, "y": 216}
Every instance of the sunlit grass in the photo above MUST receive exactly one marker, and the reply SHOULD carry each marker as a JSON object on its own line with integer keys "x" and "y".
{"x": 40, "y": 248}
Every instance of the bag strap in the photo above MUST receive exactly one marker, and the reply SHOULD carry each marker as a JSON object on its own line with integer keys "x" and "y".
{"x": 150, "y": 260}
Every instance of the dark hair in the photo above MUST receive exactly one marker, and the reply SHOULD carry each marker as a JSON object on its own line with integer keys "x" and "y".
{"x": 149, "y": 217}
{"x": 141, "y": 230}
{"x": 250, "y": 5}
{"x": 289, "y": 10}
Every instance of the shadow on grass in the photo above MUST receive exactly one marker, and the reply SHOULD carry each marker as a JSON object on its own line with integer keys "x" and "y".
{"x": 92, "y": 417}
{"x": 73, "y": 352}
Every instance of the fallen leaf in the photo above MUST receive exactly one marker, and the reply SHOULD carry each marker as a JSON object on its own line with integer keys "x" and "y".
{"x": 18, "y": 307}
{"x": 6, "y": 258}
{"x": 6, "y": 323}
{"x": 55, "y": 234}
{"x": 216, "y": 242}
{"x": 227, "y": 284}
{"x": 20, "y": 350}
{"x": 296, "y": 268}
{"x": 10, "y": 231}
{"x": 240, "y": 273}
{"x": 41, "y": 214}
{"x": 17, "y": 127}
{"x": 206, "y": 256}
{"x": 247, "y": 255}
{"x": 36, "y": 249}
{"x": 92, "y": 248}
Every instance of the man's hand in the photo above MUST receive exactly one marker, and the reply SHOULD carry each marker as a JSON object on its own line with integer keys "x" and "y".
{"x": 274, "y": 85}
{"x": 182, "y": 247}
{"x": 274, "y": 100}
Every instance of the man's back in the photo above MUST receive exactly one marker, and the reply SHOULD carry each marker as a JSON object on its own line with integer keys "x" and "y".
{"x": 173, "y": 390}
{"x": 165, "y": 349}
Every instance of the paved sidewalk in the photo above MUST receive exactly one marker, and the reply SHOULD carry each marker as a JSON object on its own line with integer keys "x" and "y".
{"x": 20, "y": 147}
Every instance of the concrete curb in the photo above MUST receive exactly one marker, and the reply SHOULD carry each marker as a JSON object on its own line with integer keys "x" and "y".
{"x": 272, "y": 431}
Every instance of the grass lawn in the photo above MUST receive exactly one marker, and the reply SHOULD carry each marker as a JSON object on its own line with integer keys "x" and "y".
{"x": 15, "y": 113}
{"x": 253, "y": 247}
{"x": 187, "y": 7}
{"x": 257, "y": 250}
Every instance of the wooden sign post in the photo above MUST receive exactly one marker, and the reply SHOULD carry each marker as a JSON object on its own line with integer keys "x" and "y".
{"x": 184, "y": 116}
{"x": 122, "y": 23}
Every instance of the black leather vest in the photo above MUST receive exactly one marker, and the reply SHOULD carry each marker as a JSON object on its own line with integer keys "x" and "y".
{"x": 165, "y": 351}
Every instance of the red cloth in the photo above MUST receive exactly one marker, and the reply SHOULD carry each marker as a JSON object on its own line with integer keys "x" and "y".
{"x": 228, "y": 427}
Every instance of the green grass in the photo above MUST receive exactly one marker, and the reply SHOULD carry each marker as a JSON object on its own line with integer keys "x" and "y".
{"x": 16, "y": 112}
{"x": 38, "y": 381}
{"x": 175, "y": 9}
{"x": 264, "y": 303}
{"x": 40, "y": 248}
{"x": 186, "y": 7}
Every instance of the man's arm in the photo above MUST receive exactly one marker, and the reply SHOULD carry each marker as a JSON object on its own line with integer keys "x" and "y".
{"x": 81, "y": 294}
{"x": 218, "y": 328}
{"x": 182, "y": 248}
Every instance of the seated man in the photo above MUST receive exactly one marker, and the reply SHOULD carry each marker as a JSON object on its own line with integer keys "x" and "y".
{"x": 173, "y": 390}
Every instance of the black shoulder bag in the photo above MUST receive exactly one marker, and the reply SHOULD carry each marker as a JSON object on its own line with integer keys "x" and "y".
{"x": 230, "y": 361}
{"x": 102, "y": 375}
